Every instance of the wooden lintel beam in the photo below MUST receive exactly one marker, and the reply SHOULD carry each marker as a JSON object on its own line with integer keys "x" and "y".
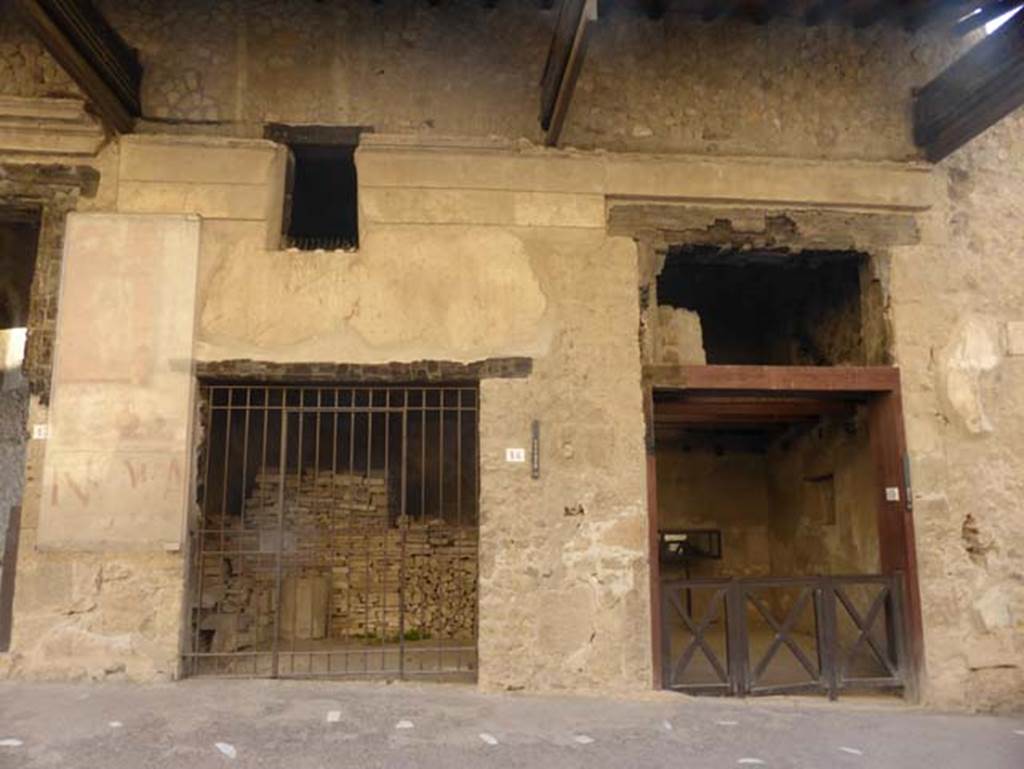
{"x": 562, "y": 69}
{"x": 973, "y": 93}
{"x": 92, "y": 54}
{"x": 775, "y": 379}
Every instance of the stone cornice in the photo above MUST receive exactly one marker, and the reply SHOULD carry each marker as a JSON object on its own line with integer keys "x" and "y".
{"x": 46, "y": 126}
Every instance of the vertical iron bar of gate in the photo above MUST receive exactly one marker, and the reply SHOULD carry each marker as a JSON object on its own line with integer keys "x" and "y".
{"x": 440, "y": 509}
{"x": 278, "y": 566}
{"x": 403, "y": 528}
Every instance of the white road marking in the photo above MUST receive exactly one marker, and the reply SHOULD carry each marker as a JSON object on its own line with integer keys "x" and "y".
{"x": 333, "y": 716}
{"x": 852, "y": 751}
{"x": 667, "y": 725}
{"x": 404, "y": 725}
{"x": 1019, "y": 731}
{"x": 227, "y": 749}
{"x": 115, "y": 724}
{"x": 728, "y": 723}
{"x": 490, "y": 739}
{"x": 751, "y": 761}
{"x": 583, "y": 739}
{"x": 11, "y": 742}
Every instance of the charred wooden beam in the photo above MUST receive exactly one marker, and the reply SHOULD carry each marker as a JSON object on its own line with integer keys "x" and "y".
{"x": 92, "y": 53}
{"x": 973, "y": 93}
{"x": 775, "y": 379}
{"x": 565, "y": 59}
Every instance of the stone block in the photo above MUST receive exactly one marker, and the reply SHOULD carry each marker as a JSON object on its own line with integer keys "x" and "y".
{"x": 771, "y": 182}
{"x": 249, "y": 202}
{"x": 381, "y": 163}
{"x": 489, "y": 207}
{"x": 200, "y": 161}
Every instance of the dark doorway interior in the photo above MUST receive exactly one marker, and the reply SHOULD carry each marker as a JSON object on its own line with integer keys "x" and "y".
{"x": 19, "y": 235}
{"x": 807, "y": 308}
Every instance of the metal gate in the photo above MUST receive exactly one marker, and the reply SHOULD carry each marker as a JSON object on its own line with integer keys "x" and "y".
{"x": 783, "y": 635}
{"x": 336, "y": 532}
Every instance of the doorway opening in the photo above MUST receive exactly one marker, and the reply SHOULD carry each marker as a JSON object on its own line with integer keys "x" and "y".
{"x": 337, "y": 532}
{"x": 19, "y": 238}
{"x": 781, "y": 528}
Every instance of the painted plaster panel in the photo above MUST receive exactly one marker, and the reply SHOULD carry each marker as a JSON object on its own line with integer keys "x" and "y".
{"x": 118, "y": 453}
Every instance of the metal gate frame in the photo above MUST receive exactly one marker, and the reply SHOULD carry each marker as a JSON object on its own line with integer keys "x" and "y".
{"x": 290, "y": 405}
{"x": 829, "y": 672}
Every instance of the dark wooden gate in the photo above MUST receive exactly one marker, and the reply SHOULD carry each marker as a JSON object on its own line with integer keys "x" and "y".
{"x": 785, "y": 635}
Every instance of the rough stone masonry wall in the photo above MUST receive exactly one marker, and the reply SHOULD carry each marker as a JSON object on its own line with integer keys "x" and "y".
{"x": 25, "y": 68}
{"x": 957, "y": 313}
{"x": 670, "y": 85}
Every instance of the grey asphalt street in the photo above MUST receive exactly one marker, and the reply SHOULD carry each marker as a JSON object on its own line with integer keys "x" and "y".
{"x": 299, "y": 725}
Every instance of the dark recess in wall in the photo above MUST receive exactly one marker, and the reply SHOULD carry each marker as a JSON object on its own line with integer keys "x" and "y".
{"x": 770, "y": 307}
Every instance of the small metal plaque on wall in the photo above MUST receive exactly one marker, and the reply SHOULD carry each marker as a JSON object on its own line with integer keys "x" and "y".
{"x": 535, "y": 449}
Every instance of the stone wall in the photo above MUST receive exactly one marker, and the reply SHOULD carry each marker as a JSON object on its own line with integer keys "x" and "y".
{"x": 956, "y": 301}
{"x": 26, "y": 69}
{"x": 670, "y": 85}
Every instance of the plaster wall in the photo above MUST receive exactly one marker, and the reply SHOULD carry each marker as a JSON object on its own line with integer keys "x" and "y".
{"x": 730, "y": 491}
{"x": 806, "y": 506}
{"x": 956, "y": 301}
{"x": 823, "y": 493}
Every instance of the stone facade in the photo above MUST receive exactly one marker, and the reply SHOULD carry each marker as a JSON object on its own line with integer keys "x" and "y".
{"x": 476, "y": 244}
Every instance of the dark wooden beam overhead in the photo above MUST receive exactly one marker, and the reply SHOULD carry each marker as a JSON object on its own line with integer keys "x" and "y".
{"x": 775, "y": 379}
{"x": 973, "y": 93}
{"x": 92, "y": 54}
{"x": 565, "y": 59}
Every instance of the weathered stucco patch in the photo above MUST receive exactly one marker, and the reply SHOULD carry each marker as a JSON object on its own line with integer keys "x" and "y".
{"x": 972, "y": 351}
{"x": 408, "y": 293}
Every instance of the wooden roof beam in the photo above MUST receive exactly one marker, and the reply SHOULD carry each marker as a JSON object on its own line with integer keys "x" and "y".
{"x": 93, "y": 55}
{"x": 565, "y": 60}
{"x": 973, "y": 93}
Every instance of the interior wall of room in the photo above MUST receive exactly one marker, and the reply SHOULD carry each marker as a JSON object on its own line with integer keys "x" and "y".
{"x": 700, "y": 488}
{"x": 823, "y": 491}
{"x": 807, "y": 506}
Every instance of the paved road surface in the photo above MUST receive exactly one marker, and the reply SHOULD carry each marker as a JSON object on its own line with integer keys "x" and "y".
{"x": 309, "y": 725}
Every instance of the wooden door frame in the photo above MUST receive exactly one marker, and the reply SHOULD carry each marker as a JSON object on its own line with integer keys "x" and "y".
{"x": 879, "y": 386}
